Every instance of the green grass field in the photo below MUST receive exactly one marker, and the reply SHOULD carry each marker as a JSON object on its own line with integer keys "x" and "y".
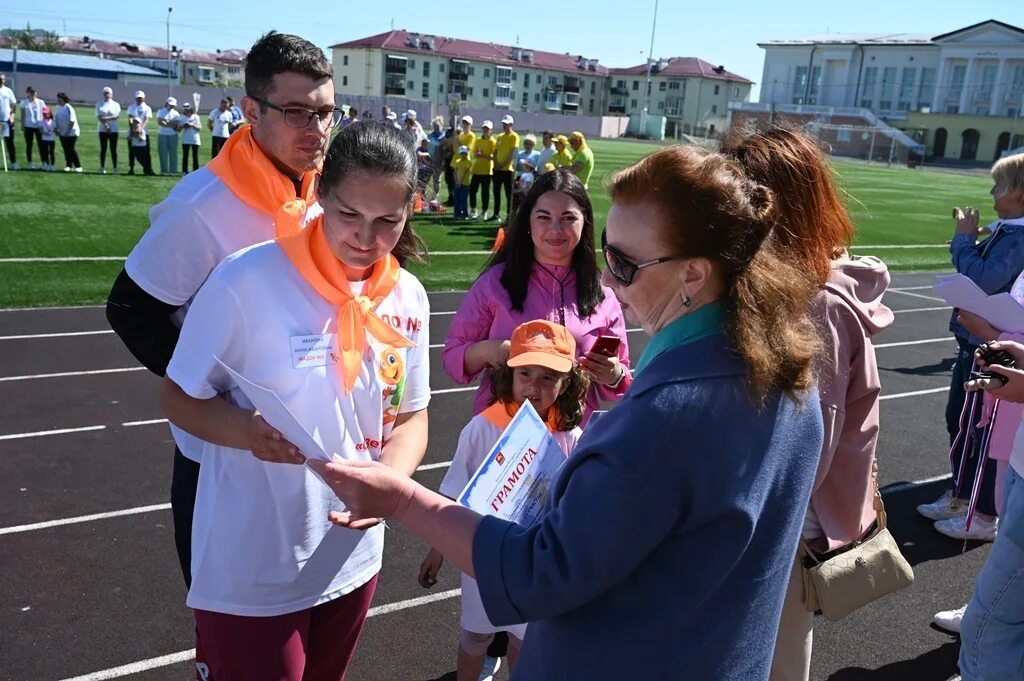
{"x": 49, "y": 215}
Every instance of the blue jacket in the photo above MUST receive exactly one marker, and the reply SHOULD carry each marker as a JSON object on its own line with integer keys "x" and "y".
{"x": 992, "y": 264}
{"x": 670, "y": 534}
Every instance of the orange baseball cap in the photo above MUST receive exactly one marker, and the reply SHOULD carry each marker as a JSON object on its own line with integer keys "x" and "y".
{"x": 544, "y": 343}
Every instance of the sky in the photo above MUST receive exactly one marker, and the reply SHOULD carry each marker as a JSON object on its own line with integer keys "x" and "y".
{"x": 618, "y": 33}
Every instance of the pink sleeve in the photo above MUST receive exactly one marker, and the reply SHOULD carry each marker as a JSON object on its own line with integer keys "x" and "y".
{"x": 1008, "y": 418}
{"x": 611, "y": 314}
{"x": 471, "y": 324}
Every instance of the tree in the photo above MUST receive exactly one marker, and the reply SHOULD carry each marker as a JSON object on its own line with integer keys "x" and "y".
{"x": 34, "y": 39}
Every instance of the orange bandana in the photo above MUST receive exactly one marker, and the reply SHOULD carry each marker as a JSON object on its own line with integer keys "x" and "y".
{"x": 500, "y": 415}
{"x": 312, "y": 257}
{"x": 254, "y": 178}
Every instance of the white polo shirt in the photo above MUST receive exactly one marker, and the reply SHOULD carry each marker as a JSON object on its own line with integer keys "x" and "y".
{"x": 200, "y": 223}
{"x": 221, "y": 122}
{"x": 261, "y": 541}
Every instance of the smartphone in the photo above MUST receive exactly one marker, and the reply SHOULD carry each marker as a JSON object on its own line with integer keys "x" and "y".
{"x": 607, "y": 346}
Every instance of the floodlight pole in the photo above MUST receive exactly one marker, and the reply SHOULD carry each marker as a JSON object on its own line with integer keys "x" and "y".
{"x": 169, "y": 10}
{"x": 650, "y": 57}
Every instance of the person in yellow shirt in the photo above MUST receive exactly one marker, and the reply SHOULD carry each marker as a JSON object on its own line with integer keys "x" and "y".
{"x": 466, "y": 136}
{"x": 463, "y": 168}
{"x": 562, "y": 157}
{"x": 483, "y": 168}
{"x": 583, "y": 158}
{"x": 505, "y": 154}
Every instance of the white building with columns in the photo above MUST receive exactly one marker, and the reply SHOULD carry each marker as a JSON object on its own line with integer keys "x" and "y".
{"x": 975, "y": 71}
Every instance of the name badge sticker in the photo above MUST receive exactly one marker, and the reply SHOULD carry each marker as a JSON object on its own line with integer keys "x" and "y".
{"x": 316, "y": 350}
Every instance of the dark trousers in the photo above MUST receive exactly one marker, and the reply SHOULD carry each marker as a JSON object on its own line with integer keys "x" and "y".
{"x": 184, "y": 481}
{"x": 12, "y": 153}
{"x": 71, "y": 159}
{"x": 478, "y": 182}
{"x": 132, "y": 154}
{"x": 954, "y": 408}
{"x": 46, "y": 151}
{"x": 185, "y": 149}
{"x": 32, "y": 135}
{"x": 108, "y": 140}
{"x": 449, "y": 180}
{"x": 502, "y": 183}
{"x": 142, "y": 155}
{"x": 218, "y": 142}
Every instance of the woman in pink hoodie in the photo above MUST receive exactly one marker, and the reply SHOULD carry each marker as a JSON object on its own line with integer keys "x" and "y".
{"x": 816, "y": 229}
{"x": 545, "y": 269}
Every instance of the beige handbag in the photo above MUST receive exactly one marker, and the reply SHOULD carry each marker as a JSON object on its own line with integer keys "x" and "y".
{"x": 841, "y": 581}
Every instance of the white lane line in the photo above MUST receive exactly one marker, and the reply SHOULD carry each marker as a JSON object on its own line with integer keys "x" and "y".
{"x": 901, "y": 344}
{"x": 47, "y": 309}
{"x": 914, "y": 393}
{"x": 15, "y": 529}
{"x": 85, "y": 258}
{"x": 903, "y": 486}
{"x": 923, "y": 309}
{"x": 43, "y": 433}
{"x": 186, "y": 655}
{"x": 150, "y": 422}
{"x": 434, "y": 466}
{"x": 445, "y": 391}
{"x": 65, "y": 374}
{"x": 68, "y": 334}
{"x": 910, "y": 288}
{"x": 918, "y": 295}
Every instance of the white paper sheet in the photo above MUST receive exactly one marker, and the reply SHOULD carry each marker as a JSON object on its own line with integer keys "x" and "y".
{"x": 513, "y": 480}
{"x": 1000, "y": 310}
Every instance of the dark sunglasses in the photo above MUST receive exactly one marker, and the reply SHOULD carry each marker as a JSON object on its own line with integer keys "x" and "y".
{"x": 621, "y": 267}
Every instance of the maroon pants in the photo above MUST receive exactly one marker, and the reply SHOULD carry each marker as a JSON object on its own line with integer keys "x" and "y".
{"x": 309, "y": 645}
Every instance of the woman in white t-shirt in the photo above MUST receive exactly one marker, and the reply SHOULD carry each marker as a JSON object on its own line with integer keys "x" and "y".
{"x": 330, "y": 322}
{"x": 190, "y": 141}
{"x": 32, "y": 122}
{"x": 107, "y": 112}
{"x": 68, "y": 131}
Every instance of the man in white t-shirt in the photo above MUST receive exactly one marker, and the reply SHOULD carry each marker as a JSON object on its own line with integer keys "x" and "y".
{"x": 168, "y": 120}
{"x": 219, "y": 123}
{"x": 142, "y": 112}
{"x": 8, "y": 103}
{"x": 32, "y": 123}
{"x": 202, "y": 221}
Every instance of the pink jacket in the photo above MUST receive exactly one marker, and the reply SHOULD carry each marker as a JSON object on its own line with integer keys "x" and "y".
{"x": 1008, "y": 418}
{"x": 486, "y": 314}
{"x": 848, "y": 311}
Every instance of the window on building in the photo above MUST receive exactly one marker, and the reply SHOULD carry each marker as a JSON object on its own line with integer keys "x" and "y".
{"x": 927, "y": 92}
{"x": 552, "y": 80}
{"x": 487, "y": 92}
{"x": 636, "y": 85}
{"x": 953, "y": 109}
{"x": 674, "y": 84}
{"x": 956, "y": 81}
{"x": 1017, "y": 83}
{"x": 412, "y": 64}
{"x": 394, "y": 75}
{"x": 440, "y": 88}
{"x": 632, "y": 104}
{"x": 981, "y": 111}
{"x": 888, "y": 85}
{"x": 799, "y": 84}
{"x": 735, "y": 92}
{"x": 207, "y": 74}
{"x": 593, "y": 86}
{"x": 867, "y": 89}
{"x": 885, "y": 105}
{"x": 536, "y": 98}
{"x": 662, "y": 86}
{"x": 844, "y": 133}
{"x": 426, "y": 91}
{"x": 716, "y": 89}
{"x": 344, "y": 80}
{"x": 472, "y": 70}
{"x": 502, "y": 95}
{"x": 426, "y": 69}
{"x": 440, "y": 67}
{"x": 487, "y": 73}
{"x": 590, "y": 108}
{"x": 526, "y": 99}
{"x": 865, "y": 103}
{"x": 815, "y": 85}
{"x": 344, "y": 60}
{"x": 538, "y": 79}
{"x": 988, "y": 81}
{"x": 513, "y": 76}
{"x": 471, "y": 92}
{"x": 503, "y": 75}
{"x": 714, "y": 108}
{"x": 661, "y": 105}
{"x": 907, "y": 87}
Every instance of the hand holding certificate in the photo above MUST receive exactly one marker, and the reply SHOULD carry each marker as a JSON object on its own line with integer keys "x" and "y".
{"x": 512, "y": 481}
{"x": 1000, "y": 310}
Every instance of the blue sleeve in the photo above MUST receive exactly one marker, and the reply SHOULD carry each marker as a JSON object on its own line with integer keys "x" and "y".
{"x": 612, "y": 513}
{"x": 1000, "y": 266}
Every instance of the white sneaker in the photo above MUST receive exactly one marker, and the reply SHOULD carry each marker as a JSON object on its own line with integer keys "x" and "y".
{"x": 491, "y": 667}
{"x": 15, "y": 166}
{"x": 33, "y": 166}
{"x": 946, "y": 506}
{"x": 949, "y": 620}
{"x": 67, "y": 169}
{"x": 102, "y": 171}
{"x": 956, "y": 528}
{"x": 78, "y": 169}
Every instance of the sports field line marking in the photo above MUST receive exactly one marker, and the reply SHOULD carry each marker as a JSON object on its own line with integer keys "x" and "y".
{"x": 41, "y": 433}
{"x": 910, "y": 288}
{"x": 923, "y": 309}
{"x": 148, "y": 422}
{"x": 65, "y": 374}
{"x": 914, "y": 393}
{"x": 901, "y": 344}
{"x": 67, "y": 334}
{"x": 186, "y": 655}
{"x": 920, "y": 295}
{"x": 903, "y": 486}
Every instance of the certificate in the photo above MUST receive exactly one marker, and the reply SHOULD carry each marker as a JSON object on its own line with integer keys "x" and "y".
{"x": 513, "y": 480}
{"x": 999, "y": 310}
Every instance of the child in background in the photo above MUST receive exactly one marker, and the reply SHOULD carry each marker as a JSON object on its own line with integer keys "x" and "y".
{"x": 190, "y": 141}
{"x": 541, "y": 368}
{"x": 49, "y": 143}
{"x": 993, "y": 264}
{"x": 463, "y": 168}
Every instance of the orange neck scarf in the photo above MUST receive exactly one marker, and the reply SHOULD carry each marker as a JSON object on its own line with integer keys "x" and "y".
{"x": 309, "y": 252}
{"x": 253, "y": 178}
{"x": 500, "y": 415}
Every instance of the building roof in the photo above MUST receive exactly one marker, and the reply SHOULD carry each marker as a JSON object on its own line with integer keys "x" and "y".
{"x": 406, "y": 42}
{"x": 882, "y": 38}
{"x": 682, "y": 67}
{"x": 58, "y": 60}
{"x": 126, "y": 50}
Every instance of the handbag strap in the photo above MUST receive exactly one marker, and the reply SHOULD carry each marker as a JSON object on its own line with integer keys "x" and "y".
{"x": 880, "y": 514}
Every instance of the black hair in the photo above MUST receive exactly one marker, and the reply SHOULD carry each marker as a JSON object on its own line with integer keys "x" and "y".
{"x": 381, "y": 149}
{"x": 62, "y": 95}
{"x": 276, "y": 53}
{"x": 517, "y": 250}
{"x": 570, "y": 404}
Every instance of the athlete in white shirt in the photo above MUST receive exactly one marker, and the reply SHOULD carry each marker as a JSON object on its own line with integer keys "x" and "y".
{"x": 142, "y": 112}
{"x": 107, "y": 112}
{"x": 267, "y": 566}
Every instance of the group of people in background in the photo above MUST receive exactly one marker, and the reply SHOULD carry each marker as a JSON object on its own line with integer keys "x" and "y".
{"x": 42, "y": 125}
